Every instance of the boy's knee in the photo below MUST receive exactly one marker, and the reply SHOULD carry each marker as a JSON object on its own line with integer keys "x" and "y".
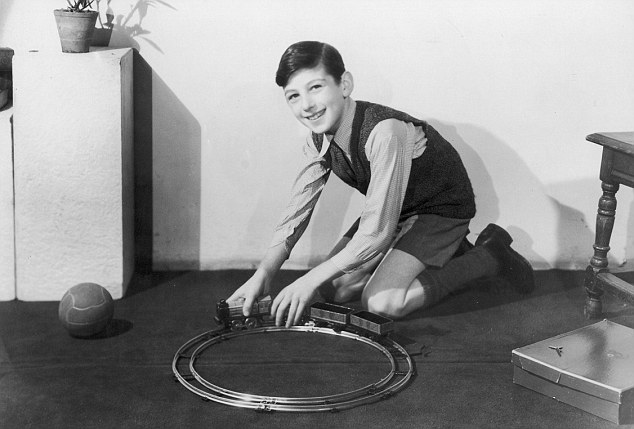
{"x": 346, "y": 288}
{"x": 385, "y": 307}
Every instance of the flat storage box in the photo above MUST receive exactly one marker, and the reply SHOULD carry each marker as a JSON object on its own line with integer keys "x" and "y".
{"x": 591, "y": 368}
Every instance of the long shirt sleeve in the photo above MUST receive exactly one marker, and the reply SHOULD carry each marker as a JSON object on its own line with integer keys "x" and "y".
{"x": 306, "y": 190}
{"x": 390, "y": 149}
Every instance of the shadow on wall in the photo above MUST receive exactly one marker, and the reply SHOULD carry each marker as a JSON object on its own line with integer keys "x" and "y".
{"x": 336, "y": 199}
{"x": 487, "y": 202}
{"x": 574, "y": 234}
{"x": 577, "y": 234}
{"x": 176, "y": 152}
{"x": 143, "y": 171}
{"x": 166, "y": 159}
{"x": 531, "y": 200}
{"x": 129, "y": 27}
{"x": 476, "y": 145}
{"x": 5, "y": 11}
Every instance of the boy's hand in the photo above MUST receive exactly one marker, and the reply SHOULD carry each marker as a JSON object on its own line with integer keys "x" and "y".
{"x": 250, "y": 291}
{"x": 294, "y": 298}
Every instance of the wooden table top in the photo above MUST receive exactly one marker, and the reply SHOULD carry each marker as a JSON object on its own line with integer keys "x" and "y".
{"x": 621, "y": 141}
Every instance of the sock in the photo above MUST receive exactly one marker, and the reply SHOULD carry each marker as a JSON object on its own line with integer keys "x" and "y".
{"x": 474, "y": 264}
{"x": 464, "y": 247}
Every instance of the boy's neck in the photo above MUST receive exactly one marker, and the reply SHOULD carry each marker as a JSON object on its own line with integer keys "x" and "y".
{"x": 342, "y": 135}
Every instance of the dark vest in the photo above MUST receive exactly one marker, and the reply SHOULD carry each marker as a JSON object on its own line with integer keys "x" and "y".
{"x": 438, "y": 182}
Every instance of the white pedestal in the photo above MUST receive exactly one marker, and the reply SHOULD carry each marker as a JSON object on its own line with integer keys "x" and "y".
{"x": 73, "y": 162}
{"x": 7, "y": 255}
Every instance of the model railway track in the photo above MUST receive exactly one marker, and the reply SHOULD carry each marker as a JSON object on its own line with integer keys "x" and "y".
{"x": 184, "y": 368}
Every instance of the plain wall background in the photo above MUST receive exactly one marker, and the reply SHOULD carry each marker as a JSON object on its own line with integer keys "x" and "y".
{"x": 515, "y": 85}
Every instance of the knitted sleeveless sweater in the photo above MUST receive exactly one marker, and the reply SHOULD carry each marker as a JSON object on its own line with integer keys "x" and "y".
{"x": 438, "y": 182}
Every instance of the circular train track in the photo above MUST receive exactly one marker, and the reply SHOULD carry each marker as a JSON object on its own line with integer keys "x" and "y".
{"x": 184, "y": 368}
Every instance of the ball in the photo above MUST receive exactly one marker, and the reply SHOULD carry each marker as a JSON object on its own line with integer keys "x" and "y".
{"x": 86, "y": 309}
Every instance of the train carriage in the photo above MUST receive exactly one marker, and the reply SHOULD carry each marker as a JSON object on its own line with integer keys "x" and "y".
{"x": 330, "y": 314}
{"x": 371, "y": 322}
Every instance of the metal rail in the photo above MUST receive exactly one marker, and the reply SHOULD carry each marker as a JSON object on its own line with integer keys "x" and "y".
{"x": 184, "y": 368}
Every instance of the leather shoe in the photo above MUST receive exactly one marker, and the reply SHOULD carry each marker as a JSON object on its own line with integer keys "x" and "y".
{"x": 512, "y": 266}
{"x": 494, "y": 232}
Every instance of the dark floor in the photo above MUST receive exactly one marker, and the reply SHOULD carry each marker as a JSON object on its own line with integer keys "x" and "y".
{"x": 124, "y": 379}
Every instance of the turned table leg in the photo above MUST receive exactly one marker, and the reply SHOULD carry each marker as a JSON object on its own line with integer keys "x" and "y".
{"x": 599, "y": 261}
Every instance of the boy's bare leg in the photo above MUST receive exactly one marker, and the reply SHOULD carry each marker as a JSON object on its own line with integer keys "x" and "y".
{"x": 402, "y": 283}
{"x": 394, "y": 289}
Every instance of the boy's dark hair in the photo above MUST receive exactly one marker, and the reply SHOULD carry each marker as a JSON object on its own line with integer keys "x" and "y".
{"x": 307, "y": 55}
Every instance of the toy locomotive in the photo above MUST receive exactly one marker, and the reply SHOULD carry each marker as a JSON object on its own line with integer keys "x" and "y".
{"x": 229, "y": 313}
{"x": 337, "y": 317}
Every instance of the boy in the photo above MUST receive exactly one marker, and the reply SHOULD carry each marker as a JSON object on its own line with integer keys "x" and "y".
{"x": 408, "y": 249}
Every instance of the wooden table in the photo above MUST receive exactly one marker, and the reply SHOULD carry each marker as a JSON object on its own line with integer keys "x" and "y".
{"x": 617, "y": 168}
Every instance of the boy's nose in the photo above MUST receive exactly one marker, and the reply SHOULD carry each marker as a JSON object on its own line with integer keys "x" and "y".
{"x": 307, "y": 103}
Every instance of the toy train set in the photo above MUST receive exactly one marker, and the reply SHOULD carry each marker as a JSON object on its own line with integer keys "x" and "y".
{"x": 319, "y": 319}
{"x": 322, "y": 314}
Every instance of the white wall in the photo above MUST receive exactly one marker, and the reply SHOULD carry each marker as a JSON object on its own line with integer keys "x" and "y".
{"x": 7, "y": 232}
{"x": 516, "y": 85}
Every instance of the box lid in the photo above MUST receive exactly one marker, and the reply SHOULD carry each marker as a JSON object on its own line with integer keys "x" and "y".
{"x": 597, "y": 359}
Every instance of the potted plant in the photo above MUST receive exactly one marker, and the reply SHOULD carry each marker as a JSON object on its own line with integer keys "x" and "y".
{"x": 76, "y": 25}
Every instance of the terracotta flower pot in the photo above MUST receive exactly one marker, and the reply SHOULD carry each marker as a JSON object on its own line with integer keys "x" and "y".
{"x": 75, "y": 29}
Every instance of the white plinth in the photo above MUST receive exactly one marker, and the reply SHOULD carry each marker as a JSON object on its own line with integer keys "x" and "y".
{"x": 7, "y": 256}
{"x": 73, "y": 163}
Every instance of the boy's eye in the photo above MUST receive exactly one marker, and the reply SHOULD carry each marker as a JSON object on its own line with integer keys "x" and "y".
{"x": 291, "y": 97}
{"x": 316, "y": 86}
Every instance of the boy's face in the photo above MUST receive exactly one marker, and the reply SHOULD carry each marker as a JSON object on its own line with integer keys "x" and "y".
{"x": 316, "y": 100}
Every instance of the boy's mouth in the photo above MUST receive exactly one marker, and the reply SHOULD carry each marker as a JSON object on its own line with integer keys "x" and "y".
{"x": 316, "y": 115}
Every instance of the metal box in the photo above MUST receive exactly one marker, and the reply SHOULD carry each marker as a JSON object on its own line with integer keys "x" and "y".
{"x": 591, "y": 368}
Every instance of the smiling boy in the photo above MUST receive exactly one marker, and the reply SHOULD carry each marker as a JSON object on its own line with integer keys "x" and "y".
{"x": 408, "y": 249}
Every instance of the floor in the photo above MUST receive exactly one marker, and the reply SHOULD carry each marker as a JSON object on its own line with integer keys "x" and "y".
{"x": 123, "y": 378}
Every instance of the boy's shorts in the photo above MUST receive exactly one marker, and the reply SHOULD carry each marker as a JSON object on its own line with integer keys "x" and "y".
{"x": 432, "y": 239}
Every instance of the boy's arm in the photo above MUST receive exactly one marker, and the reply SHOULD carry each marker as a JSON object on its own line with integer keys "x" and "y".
{"x": 389, "y": 150}
{"x": 260, "y": 282}
{"x": 306, "y": 191}
{"x": 294, "y": 298}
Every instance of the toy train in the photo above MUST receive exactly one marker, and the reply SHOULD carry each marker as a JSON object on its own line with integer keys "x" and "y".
{"x": 337, "y": 317}
{"x": 229, "y": 313}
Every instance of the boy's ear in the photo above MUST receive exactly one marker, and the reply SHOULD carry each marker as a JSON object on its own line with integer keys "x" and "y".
{"x": 347, "y": 83}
